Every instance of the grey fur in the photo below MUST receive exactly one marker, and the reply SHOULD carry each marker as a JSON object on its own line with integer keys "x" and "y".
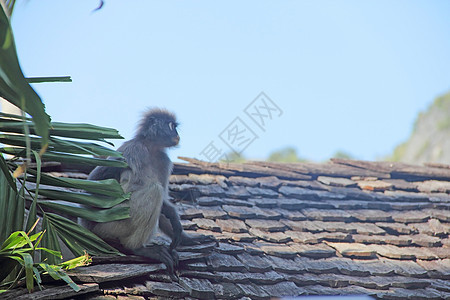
{"x": 146, "y": 178}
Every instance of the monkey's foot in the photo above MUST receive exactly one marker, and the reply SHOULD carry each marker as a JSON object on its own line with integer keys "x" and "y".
{"x": 160, "y": 253}
{"x": 195, "y": 239}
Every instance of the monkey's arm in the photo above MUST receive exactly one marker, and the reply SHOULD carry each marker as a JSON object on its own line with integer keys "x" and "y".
{"x": 103, "y": 172}
{"x": 169, "y": 223}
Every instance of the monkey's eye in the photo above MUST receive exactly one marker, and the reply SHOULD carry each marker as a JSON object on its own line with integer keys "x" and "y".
{"x": 171, "y": 126}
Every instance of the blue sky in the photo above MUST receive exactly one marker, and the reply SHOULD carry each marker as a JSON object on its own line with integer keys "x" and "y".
{"x": 347, "y": 75}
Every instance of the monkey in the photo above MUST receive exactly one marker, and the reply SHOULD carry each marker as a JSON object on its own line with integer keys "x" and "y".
{"x": 147, "y": 179}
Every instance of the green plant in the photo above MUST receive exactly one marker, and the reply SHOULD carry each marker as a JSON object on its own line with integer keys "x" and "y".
{"x": 17, "y": 252}
{"x": 23, "y": 191}
{"x": 25, "y": 145}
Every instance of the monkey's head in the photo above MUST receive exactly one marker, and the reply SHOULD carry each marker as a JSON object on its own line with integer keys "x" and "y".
{"x": 159, "y": 127}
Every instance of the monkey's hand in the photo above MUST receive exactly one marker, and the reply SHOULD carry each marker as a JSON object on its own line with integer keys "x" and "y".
{"x": 160, "y": 253}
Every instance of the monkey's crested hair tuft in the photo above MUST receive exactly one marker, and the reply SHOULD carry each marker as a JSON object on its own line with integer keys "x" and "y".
{"x": 159, "y": 113}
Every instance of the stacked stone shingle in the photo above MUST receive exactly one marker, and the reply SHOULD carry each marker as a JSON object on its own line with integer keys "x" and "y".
{"x": 339, "y": 228}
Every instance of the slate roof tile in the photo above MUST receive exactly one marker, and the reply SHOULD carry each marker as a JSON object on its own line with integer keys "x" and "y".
{"x": 327, "y": 215}
{"x": 207, "y": 224}
{"x": 213, "y": 213}
{"x": 227, "y": 290}
{"x": 232, "y": 225}
{"x": 239, "y": 192}
{"x": 253, "y": 291}
{"x": 266, "y": 225}
{"x": 440, "y": 252}
{"x": 283, "y": 289}
{"x": 371, "y": 215}
{"x": 426, "y": 240}
{"x": 236, "y": 202}
{"x": 314, "y": 251}
{"x": 274, "y": 237}
{"x": 334, "y": 236}
{"x": 354, "y": 250}
{"x": 267, "y": 214}
{"x": 226, "y": 248}
{"x": 291, "y": 215}
{"x": 407, "y": 196}
{"x": 166, "y": 289}
{"x": 239, "y": 212}
{"x": 255, "y": 263}
{"x": 270, "y": 277}
{"x": 212, "y": 190}
{"x": 209, "y": 201}
{"x": 224, "y": 263}
{"x": 396, "y": 228}
{"x": 190, "y": 213}
{"x": 304, "y": 237}
{"x": 334, "y": 181}
{"x": 287, "y": 266}
{"x": 243, "y": 237}
{"x": 410, "y": 216}
{"x": 436, "y": 268}
{"x": 318, "y": 266}
{"x": 268, "y": 193}
{"x": 299, "y": 193}
{"x": 340, "y": 228}
{"x": 433, "y": 227}
{"x": 278, "y": 250}
{"x": 188, "y": 225}
{"x": 264, "y": 202}
{"x": 441, "y": 285}
{"x": 375, "y": 185}
{"x": 269, "y": 182}
{"x": 351, "y": 267}
{"x": 198, "y": 288}
{"x": 381, "y": 239}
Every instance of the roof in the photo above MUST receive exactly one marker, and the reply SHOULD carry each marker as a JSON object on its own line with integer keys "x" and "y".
{"x": 344, "y": 227}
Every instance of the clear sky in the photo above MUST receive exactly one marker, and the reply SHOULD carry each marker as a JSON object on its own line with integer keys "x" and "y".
{"x": 345, "y": 75}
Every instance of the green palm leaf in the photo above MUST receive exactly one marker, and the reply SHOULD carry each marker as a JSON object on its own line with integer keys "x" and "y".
{"x": 13, "y": 85}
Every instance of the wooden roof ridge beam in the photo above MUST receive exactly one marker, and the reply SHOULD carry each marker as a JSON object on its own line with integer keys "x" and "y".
{"x": 248, "y": 169}
{"x": 399, "y": 169}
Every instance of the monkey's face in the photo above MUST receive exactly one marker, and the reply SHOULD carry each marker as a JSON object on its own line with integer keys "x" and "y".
{"x": 159, "y": 129}
{"x": 170, "y": 137}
